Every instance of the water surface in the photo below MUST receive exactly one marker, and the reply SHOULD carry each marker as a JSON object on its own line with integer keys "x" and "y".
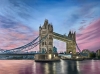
{"x": 62, "y": 67}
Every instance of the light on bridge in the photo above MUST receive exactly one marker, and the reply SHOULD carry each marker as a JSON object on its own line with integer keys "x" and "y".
{"x": 49, "y": 56}
{"x": 77, "y": 57}
{"x": 70, "y": 52}
{"x": 54, "y": 55}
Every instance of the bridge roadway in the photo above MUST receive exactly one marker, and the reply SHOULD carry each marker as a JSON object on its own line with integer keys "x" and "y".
{"x": 61, "y": 37}
{"x": 22, "y": 56}
{"x": 17, "y": 56}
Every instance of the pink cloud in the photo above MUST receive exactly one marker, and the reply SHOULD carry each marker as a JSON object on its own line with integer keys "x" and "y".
{"x": 15, "y": 37}
{"x": 89, "y": 37}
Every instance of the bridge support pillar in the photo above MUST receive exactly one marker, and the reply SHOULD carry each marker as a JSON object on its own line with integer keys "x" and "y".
{"x": 71, "y": 47}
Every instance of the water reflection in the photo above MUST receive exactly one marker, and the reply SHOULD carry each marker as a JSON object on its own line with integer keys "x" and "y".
{"x": 72, "y": 67}
{"x": 62, "y": 67}
{"x": 15, "y": 67}
{"x": 44, "y": 68}
{"x": 38, "y": 68}
{"x": 78, "y": 67}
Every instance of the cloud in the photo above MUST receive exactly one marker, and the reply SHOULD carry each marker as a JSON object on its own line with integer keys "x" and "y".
{"x": 82, "y": 27}
{"x": 32, "y": 15}
{"x": 89, "y": 37}
{"x": 17, "y": 16}
{"x": 18, "y": 11}
{"x": 14, "y": 34}
{"x": 76, "y": 16}
{"x": 83, "y": 22}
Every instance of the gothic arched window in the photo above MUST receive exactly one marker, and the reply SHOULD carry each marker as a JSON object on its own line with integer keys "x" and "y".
{"x": 42, "y": 43}
{"x": 50, "y": 43}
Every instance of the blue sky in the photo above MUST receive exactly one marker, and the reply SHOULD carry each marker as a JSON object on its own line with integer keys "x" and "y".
{"x": 65, "y": 15}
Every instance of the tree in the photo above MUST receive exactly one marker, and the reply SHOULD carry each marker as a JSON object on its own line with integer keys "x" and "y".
{"x": 92, "y": 54}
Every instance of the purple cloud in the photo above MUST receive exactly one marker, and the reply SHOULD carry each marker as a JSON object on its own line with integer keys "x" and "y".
{"x": 14, "y": 34}
{"x": 89, "y": 38}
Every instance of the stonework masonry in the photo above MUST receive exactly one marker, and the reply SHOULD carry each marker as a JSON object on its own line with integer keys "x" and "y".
{"x": 47, "y": 44}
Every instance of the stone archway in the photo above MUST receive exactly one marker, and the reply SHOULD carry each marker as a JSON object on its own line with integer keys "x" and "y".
{"x": 70, "y": 52}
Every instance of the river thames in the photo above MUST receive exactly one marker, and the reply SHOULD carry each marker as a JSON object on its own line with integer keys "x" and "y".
{"x": 62, "y": 67}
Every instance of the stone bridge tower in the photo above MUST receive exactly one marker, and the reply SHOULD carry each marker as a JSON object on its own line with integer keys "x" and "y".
{"x": 71, "y": 45}
{"x": 47, "y": 45}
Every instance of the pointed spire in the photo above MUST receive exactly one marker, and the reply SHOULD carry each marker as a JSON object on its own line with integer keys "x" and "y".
{"x": 45, "y": 22}
{"x": 72, "y": 35}
{"x": 74, "y": 32}
{"x": 51, "y": 25}
{"x": 69, "y": 35}
{"x": 40, "y": 26}
{"x": 48, "y": 26}
{"x": 70, "y": 32}
{"x": 75, "y": 36}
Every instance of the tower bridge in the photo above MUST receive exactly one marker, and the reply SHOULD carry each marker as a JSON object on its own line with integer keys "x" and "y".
{"x": 45, "y": 42}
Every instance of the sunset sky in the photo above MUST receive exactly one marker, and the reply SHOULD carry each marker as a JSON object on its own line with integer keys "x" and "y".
{"x": 20, "y": 21}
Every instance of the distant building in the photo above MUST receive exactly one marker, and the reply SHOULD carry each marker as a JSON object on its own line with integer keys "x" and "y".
{"x": 86, "y": 53}
{"x": 98, "y": 53}
{"x": 54, "y": 49}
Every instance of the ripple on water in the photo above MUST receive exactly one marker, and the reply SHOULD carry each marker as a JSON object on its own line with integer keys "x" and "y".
{"x": 62, "y": 67}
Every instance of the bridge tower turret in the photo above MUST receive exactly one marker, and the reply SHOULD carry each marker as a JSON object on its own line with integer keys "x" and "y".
{"x": 74, "y": 36}
{"x": 71, "y": 45}
{"x": 69, "y": 35}
{"x": 47, "y": 44}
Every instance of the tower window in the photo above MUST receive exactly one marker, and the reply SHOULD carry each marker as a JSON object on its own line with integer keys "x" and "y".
{"x": 42, "y": 43}
{"x": 45, "y": 43}
{"x": 50, "y": 31}
{"x": 50, "y": 36}
{"x": 50, "y": 43}
{"x": 43, "y": 32}
{"x": 50, "y": 50}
